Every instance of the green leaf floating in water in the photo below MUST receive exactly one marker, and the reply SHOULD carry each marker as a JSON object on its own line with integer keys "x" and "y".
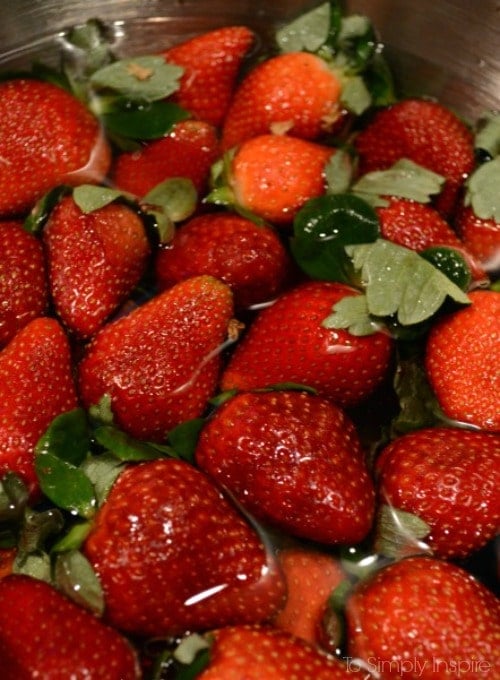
{"x": 145, "y": 79}
{"x": 171, "y": 201}
{"x": 338, "y": 172}
{"x": 404, "y": 179}
{"x": 306, "y": 33}
{"x": 65, "y": 484}
{"x": 75, "y": 577}
{"x": 124, "y": 447}
{"x": 352, "y": 313}
{"x": 90, "y": 197}
{"x": 396, "y": 281}
{"x": 324, "y": 226}
{"x": 144, "y": 122}
{"x": 67, "y": 437}
{"x": 487, "y": 136}
{"x": 482, "y": 190}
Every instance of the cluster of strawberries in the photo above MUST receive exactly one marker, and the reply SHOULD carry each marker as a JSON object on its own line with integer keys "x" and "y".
{"x": 195, "y": 446}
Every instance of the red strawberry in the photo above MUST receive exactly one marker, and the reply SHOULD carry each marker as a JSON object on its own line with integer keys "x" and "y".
{"x": 211, "y": 63}
{"x": 274, "y": 175}
{"x": 74, "y": 643}
{"x": 480, "y": 236}
{"x": 94, "y": 259}
{"x": 263, "y": 653}
{"x": 251, "y": 259}
{"x": 295, "y": 93}
{"x": 462, "y": 359}
{"x": 160, "y": 363}
{"x": 174, "y": 556}
{"x": 311, "y": 576}
{"x": 47, "y": 137}
{"x": 23, "y": 288}
{"x": 419, "y": 226}
{"x": 287, "y": 342}
{"x": 293, "y": 460}
{"x": 425, "y": 132}
{"x": 425, "y": 618}
{"x": 36, "y": 385}
{"x": 450, "y": 478}
{"x": 187, "y": 151}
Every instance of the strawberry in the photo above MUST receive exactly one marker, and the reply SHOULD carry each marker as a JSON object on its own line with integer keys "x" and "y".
{"x": 419, "y": 226}
{"x": 160, "y": 363}
{"x": 264, "y": 653}
{"x": 293, "y": 460}
{"x": 448, "y": 477}
{"x": 424, "y": 618}
{"x": 462, "y": 359}
{"x": 288, "y": 342}
{"x": 188, "y": 150}
{"x": 273, "y": 176}
{"x": 36, "y": 385}
{"x": 481, "y": 237}
{"x": 173, "y": 555}
{"x": 47, "y": 138}
{"x": 311, "y": 576}
{"x": 23, "y": 288}
{"x": 294, "y": 93}
{"x": 94, "y": 260}
{"x": 211, "y": 63}
{"x": 425, "y": 132}
{"x": 251, "y": 259}
{"x": 74, "y": 642}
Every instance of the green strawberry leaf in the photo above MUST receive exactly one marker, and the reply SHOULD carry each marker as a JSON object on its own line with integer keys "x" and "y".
{"x": 90, "y": 197}
{"x": 355, "y": 95}
{"x": 189, "y": 647}
{"x": 323, "y": 227}
{"x": 102, "y": 470}
{"x": 171, "y": 201}
{"x": 404, "y": 179}
{"x": 86, "y": 48}
{"x": 352, "y": 313}
{"x": 73, "y": 539}
{"x": 184, "y": 437}
{"x": 147, "y": 122}
{"x": 482, "y": 190}
{"x": 177, "y": 196}
{"x": 338, "y": 172}
{"x": 124, "y": 447}
{"x": 399, "y": 533}
{"x": 356, "y": 43}
{"x": 102, "y": 413}
{"x": 75, "y": 577}
{"x": 398, "y": 281}
{"x": 65, "y": 485}
{"x": 379, "y": 81}
{"x": 191, "y": 656}
{"x": 306, "y": 33}
{"x": 451, "y": 263}
{"x": 142, "y": 79}
{"x": 35, "y": 565}
{"x": 487, "y": 137}
{"x": 67, "y": 437}
{"x": 36, "y": 220}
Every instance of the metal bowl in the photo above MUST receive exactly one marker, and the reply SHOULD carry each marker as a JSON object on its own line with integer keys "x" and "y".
{"x": 446, "y": 49}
